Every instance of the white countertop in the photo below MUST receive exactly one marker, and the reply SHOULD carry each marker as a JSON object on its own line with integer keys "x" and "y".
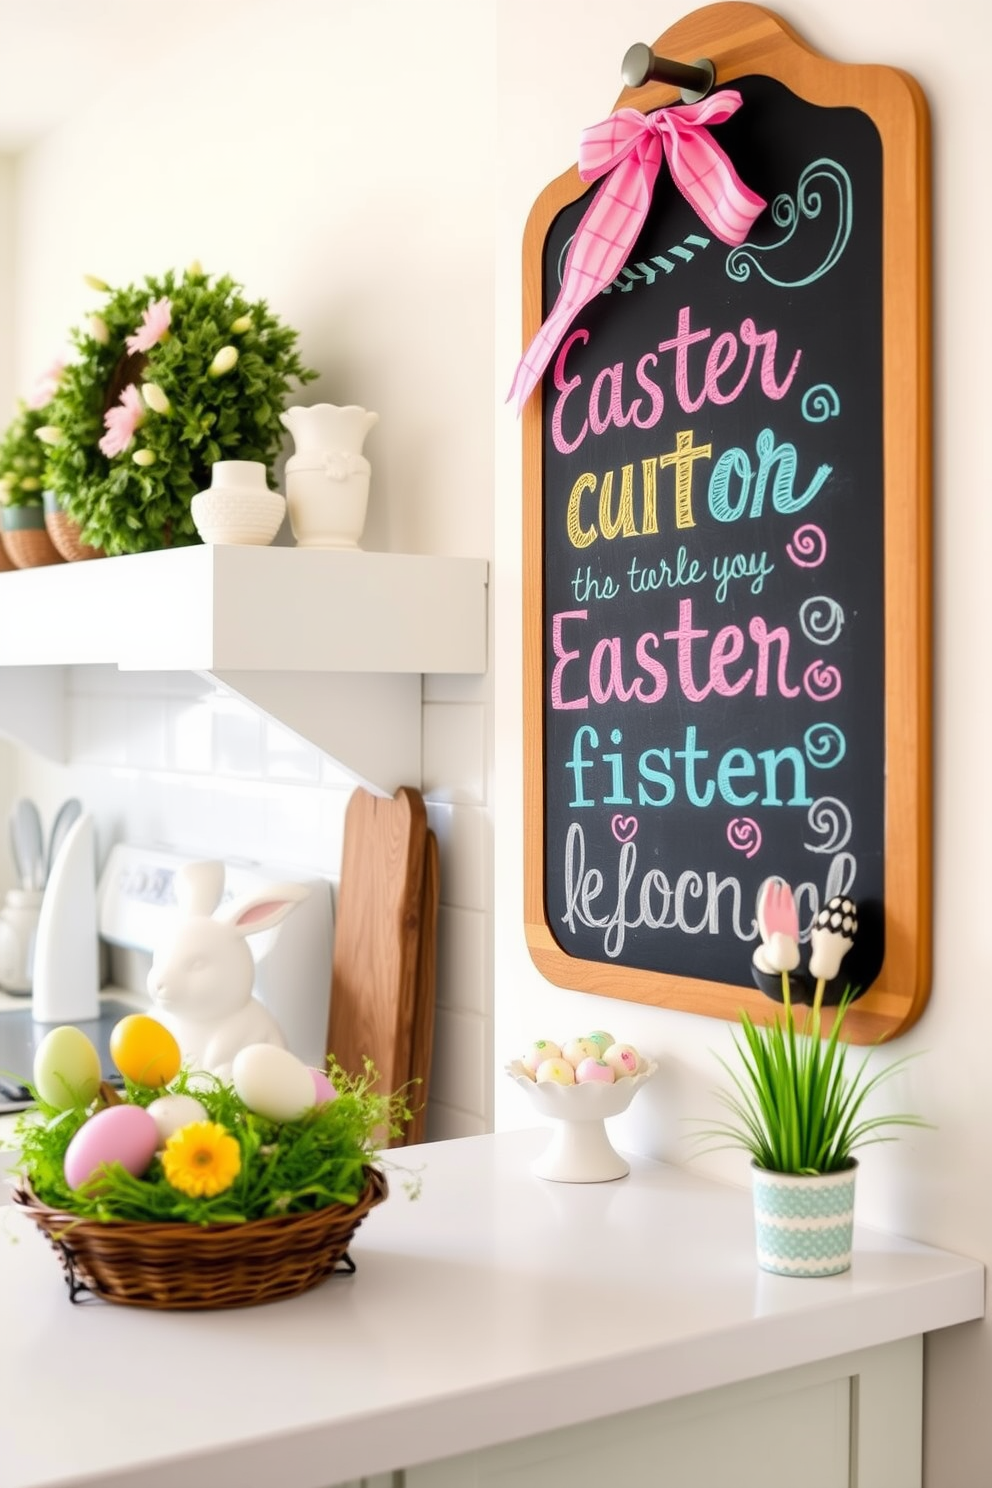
{"x": 494, "y": 1306}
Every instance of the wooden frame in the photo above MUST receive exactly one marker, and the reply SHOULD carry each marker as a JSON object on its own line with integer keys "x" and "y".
{"x": 743, "y": 39}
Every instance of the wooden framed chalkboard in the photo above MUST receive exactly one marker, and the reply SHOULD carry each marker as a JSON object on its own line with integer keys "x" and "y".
{"x": 727, "y": 552}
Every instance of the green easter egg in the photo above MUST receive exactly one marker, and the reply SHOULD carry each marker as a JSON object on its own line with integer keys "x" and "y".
{"x": 66, "y": 1068}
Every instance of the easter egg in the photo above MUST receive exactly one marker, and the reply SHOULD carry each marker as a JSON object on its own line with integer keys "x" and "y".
{"x": 273, "y": 1082}
{"x": 578, "y": 1049}
{"x": 172, "y": 1112}
{"x": 144, "y": 1050}
{"x": 66, "y": 1068}
{"x": 594, "y": 1071}
{"x": 323, "y": 1090}
{"x": 623, "y": 1059}
{"x": 124, "y": 1134}
{"x": 538, "y": 1052}
{"x": 555, "y": 1072}
{"x": 602, "y": 1039}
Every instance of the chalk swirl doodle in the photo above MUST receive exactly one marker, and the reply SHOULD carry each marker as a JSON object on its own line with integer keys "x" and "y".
{"x": 808, "y": 547}
{"x": 744, "y": 835}
{"x": 821, "y": 682}
{"x": 822, "y": 619}
{"x": 820, "y": 403}
{"x": 825, "y": 745}
{"x": 831, "y": 821}
{"x": 787, "y": 212}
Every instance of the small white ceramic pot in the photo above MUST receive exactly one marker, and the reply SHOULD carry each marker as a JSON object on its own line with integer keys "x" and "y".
{"x": 328, "y": 499}
{"x": 238, "y": 506}
{"x": 804, "y": 1223}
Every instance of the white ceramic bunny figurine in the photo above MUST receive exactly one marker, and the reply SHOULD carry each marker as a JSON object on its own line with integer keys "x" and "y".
{"x": 201, "y": 980}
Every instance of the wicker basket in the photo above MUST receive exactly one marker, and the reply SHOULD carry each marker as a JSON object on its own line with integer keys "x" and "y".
{"x": 185, "y": 1266}
{"x": 66, "y": 540}
{"x": 30, "y": 547}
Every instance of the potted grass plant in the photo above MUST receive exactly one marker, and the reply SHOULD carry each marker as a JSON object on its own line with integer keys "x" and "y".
{"x": 796, "y": 1103}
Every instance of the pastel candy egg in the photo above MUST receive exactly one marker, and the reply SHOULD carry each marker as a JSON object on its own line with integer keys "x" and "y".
{"x": 601, "y": 1039}
{"x": 538, "y": 1052}
{"x": 323, "y": 1090}
{"x": 123, "y": 1134}
{"x": 144, "y": 1050}
{"x": 591, "y": 1071}
{"x": 623, "y": 1059}
{"x": 171, "y": 1113}
{"x": 273, "y": 1082}
{"x": 66, "y": 1068}
{"x": 578, "y": 1049}
{"x": 555, "y": 1072}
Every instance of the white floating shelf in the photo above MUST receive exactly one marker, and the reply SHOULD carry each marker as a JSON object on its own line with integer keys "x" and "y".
{"x": 333, "y": 643}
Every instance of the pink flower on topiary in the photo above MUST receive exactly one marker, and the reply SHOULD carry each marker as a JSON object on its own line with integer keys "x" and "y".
{"x": 44, "y": 390}
{"x": 122, "y": 421}
{"x": 154, "y": 327}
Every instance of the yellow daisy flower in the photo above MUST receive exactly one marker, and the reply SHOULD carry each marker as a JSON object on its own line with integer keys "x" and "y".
{"x": 201, "y": 1159}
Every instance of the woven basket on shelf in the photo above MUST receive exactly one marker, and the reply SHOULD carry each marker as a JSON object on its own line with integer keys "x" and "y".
{"x": 64, "y": 533}
{"x": 185, "y": 1266}
{"x": 30, "y": 547}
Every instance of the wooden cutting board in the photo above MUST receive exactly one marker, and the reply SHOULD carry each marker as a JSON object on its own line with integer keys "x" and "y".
{"x": 380, "y": 957}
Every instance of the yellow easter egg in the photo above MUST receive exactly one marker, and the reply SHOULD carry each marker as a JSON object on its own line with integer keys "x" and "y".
{"x": 144, "y": 1050}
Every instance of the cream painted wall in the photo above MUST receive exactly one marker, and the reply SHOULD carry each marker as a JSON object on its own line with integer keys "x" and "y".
{"x": 7, "y": 394}
{"x": 558, "y": 71}
{"x": 336, "y": 158}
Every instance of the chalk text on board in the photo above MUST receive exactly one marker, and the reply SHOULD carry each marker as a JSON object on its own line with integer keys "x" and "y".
{"x": 730, "y": 495}
{"x": 722, "y": 359}
{"x": 609, "y": 672}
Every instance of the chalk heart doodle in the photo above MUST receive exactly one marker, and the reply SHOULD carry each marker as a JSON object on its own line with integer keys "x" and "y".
{"x": 624, "y": 828}
{"x": 744, "y": 835}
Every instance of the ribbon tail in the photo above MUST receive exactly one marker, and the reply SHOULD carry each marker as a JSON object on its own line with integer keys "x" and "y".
{"x": 706, "y": 177}
{"x": 599, "y": 250}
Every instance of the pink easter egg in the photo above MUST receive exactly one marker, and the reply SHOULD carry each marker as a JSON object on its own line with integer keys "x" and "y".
{"x": 124, "y": 1134}
{"x": 323, "y": 1090}
{"x": 594, "y": 1071}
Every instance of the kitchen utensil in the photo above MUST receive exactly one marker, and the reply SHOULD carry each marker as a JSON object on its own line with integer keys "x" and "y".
{"x": 66, "y": 982}
{"x": 27, "y": 843}
{"x": 379, "y": 1007}
{"x": 64, "y": 818}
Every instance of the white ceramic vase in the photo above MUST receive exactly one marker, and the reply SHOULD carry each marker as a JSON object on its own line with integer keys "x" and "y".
{"x": 327, "y": 479}
{"x": 237, "y": 506}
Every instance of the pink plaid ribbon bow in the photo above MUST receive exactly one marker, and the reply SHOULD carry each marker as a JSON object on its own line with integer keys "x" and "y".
{"x": 629, "y": 145}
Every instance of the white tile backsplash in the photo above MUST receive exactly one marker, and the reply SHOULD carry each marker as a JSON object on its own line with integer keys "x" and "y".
{"x": 463, "y": 954}
{"x": 173, "y": 760}
{"x": 454, "y": 752}
{"x": 463, "y": 834}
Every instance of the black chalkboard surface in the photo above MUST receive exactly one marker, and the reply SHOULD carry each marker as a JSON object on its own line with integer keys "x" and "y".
{"x": 715, "y": 648}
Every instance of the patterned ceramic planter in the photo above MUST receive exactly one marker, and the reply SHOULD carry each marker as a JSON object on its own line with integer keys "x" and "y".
{"x": 804, "y": 1224}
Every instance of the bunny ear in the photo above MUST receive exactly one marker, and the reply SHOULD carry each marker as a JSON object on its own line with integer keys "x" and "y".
{"x": 198, "y": 887}
{"x": 776, "y": 910}
{"x": 262, "y": 911}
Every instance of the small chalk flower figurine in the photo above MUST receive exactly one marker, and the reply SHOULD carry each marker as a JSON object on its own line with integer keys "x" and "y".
{"x": 778, "y": 926}
{"x": 832, "y": 936}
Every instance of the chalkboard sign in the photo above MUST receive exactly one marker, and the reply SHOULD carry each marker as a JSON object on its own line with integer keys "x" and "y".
{"x": 727, "y": 670}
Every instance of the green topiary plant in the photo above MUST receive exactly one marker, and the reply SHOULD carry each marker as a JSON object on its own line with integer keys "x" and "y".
{"x": 22, "y": 458}
{"x": 172, "y": 375}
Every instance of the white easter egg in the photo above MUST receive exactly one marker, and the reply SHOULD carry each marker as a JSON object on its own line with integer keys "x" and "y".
{"x": 273, "y": 1082}
{"x": 172, "y": 1112}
